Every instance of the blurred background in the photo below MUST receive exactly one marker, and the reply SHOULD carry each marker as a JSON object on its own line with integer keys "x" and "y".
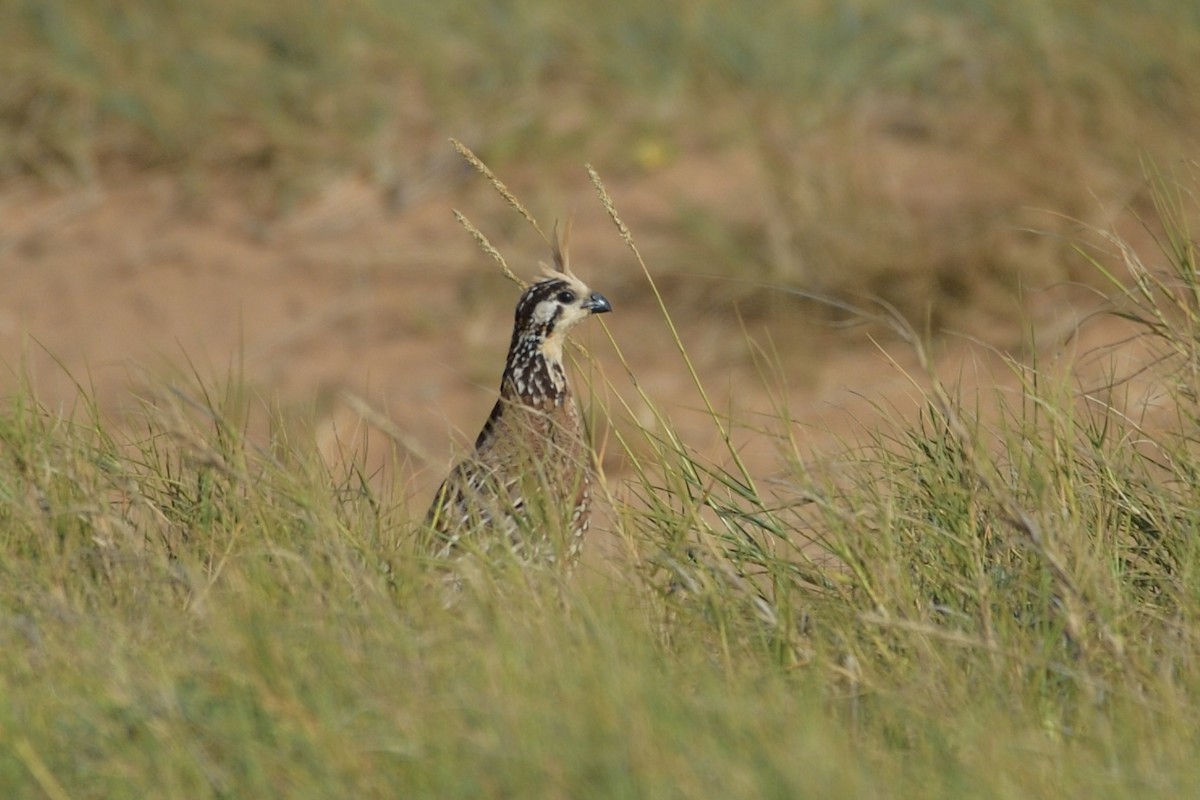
{"x": 265, "y": 189}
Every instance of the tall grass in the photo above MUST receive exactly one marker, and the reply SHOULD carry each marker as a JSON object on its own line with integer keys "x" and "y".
{"x": 896, "y": 150}
{"x": 961, "y": 604}
{"x": 288, "y": 87}
{"x": 962, "y": 572}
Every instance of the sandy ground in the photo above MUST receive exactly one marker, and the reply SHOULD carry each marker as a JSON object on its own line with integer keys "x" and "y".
{"x": 353, "y": 302}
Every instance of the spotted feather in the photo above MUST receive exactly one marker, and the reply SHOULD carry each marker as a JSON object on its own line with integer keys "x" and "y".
{"x": 527, "y": 485}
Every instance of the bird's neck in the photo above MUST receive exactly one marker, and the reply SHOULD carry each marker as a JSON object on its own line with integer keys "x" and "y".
{"x": 534, "y": 374}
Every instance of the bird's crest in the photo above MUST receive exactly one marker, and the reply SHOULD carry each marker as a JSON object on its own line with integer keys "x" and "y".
{"x": 560, "y": 250}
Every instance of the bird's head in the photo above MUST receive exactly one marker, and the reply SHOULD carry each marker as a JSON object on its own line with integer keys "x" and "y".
{"x": 550, "y": 308}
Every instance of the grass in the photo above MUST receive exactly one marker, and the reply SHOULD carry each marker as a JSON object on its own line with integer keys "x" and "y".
{"x": 968, "y": 603}
{"x": 894, "y": 150}
{"x": 169, "y": 82}
{"x": 1000, "y": 605}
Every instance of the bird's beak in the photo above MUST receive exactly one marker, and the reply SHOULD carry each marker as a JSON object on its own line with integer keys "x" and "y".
{"x": 598, "y": 304}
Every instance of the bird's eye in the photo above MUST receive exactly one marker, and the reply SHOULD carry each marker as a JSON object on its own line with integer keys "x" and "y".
{"x": 566, "y": 297}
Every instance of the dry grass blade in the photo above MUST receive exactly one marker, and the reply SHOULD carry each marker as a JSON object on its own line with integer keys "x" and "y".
{"x": 488, "y": 248}
{"x": 610, "y": 207}
{"x": 498, "y": 185}
{"x": 381, "y": 422}
{"x": 607, "y": 201}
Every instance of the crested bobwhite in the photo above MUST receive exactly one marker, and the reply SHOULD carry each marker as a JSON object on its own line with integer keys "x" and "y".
{"x": 528, "y": 483}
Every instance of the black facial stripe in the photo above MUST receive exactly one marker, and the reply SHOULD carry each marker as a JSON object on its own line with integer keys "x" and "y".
{"x": 542, "y": 290}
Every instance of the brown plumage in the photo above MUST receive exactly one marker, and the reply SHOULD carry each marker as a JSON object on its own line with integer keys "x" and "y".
{"x": 528, "y": 483}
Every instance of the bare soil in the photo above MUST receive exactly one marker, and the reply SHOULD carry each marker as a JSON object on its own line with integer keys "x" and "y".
{"x": 358, "y": 304}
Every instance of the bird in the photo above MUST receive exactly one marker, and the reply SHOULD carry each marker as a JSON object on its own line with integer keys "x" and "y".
{"x": 527, "y": 484}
